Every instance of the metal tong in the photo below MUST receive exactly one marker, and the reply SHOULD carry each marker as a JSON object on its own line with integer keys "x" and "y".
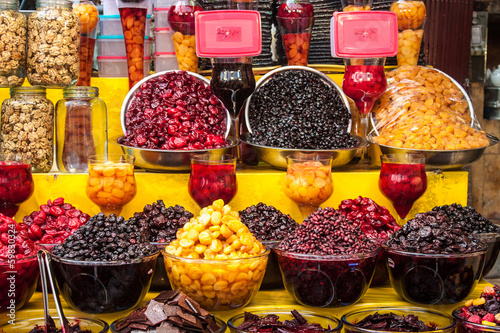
{"x": 46, "y": 272}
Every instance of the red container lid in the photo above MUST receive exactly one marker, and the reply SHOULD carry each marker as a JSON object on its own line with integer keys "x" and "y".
{"x": 364, "y": 34}
{"x": 117, "y": 58}
{"x": 228, "y": 33}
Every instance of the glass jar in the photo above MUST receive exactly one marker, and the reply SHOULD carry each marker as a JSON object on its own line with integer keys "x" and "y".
{"x": 411, "y": 18}
{"x": 12, "y": 44}
{"x": 81, "y": 128}
{"x": 53, "y": 44}
{"x": 27, "y": 119}
{"x": 89, "y": 20}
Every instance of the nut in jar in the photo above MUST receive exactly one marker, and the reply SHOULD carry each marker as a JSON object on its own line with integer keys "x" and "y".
{"x": 53, "y": 45}
{"x": 12, "y": 47}
{"x": 216, "y": 260}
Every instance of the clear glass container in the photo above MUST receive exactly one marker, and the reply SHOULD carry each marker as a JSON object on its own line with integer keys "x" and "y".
{"x": 27, "y": 119}
{"x": 53, "y": 44}
{"x": 81, "y": 128}
{"x": 89, "y": 20}
{"x": 12, "y": 44}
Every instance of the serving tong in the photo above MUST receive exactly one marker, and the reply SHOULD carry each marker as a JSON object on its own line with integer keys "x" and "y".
{"x": 45, "y": 271}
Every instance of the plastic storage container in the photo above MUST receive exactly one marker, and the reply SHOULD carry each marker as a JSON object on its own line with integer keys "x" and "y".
{"x": 13, "y": 25}
{"x": 165, "y": 61}
{"x": 27, "y": 120}
{"x": 162, "y": 3}
{"x": 111, "y": 25}
{"x": 163, "y": 40}
{"x": 114, "y": 46}
{"x": 61, "y": 66}
{"x": 161, "y": 17}
{"x": 113, "y": 66}
{"x": 109, "y": 7}
{"x": 81, "y": 128}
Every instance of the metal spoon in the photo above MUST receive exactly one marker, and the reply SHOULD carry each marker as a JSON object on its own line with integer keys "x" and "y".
{"x": 45, "y": 271}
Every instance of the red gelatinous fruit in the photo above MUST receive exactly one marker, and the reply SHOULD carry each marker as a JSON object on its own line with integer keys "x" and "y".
{"x": 181, "y": 16}
{"x": 364, "y": 84}
{"x": 16, "y": 186}
{"x": 208, "y": 183}
{"x": 295, "y": 16}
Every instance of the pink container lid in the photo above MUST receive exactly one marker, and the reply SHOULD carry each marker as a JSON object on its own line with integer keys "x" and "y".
{"x": 228, "y": 33}
{"x": 364, "y": 34}
{"x": 117, "y": 58}
{"x": 158, "y": 54}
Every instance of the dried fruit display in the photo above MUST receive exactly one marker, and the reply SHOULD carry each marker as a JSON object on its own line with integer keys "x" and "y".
{"x": 467, "y": 219}
{"x": 267, "y": 223}
{"x": 391, "y": 322}
{"x": 271, "y": 323}
{"x": 484, "y": 310}
{"x": 12, "y": 47}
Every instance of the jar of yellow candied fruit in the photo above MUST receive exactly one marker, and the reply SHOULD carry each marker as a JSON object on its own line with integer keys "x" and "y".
{"x": 411, "y": 18}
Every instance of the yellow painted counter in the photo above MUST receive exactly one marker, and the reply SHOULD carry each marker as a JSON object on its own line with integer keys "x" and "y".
{"x": 268, "y": 300}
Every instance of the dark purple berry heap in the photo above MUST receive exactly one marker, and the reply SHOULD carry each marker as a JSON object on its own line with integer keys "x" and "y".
{"x": 467, "y": 219}
{"x": 159, "y": 223}
{"x": 431, "y": 232}
{"x": 271, "y": 323}
{"x": 297, "y": 109}
{"x": 327, "y": 232}
{"x": 105, "y": 239}
{"x": 267, "y": 223}
{"x": 391, "y": 322}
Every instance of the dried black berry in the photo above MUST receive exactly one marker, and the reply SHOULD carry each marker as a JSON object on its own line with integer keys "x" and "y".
{"x": 267, "y": 223}
{"x": 467, "y": 219}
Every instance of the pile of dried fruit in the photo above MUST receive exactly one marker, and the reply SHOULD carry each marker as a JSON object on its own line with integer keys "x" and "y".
{"x": 484, "y": 310}
{"x": 267, "y": 223}
{"x": 395, "y": 323}
{"x": 272, "y": 323}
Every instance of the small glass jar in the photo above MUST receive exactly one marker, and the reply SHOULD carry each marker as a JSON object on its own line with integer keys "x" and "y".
{"x": 53, "y": 44}
{"x": 89, "y": 20}
{"x": 27, "y": 119}
{"x": 81, "y": 128}
{"x": 12, "y": 44}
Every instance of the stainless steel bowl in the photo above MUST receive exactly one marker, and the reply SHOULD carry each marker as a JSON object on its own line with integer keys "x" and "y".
{"x": 132, "y": 91}
{"x": 276, "y": 157}
{"x": 169, "y": 160}
{"x": 327, "y": 80}
{"x": 434, "y": 159}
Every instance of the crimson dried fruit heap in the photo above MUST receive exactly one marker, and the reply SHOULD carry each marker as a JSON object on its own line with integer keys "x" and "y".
{"x": 297, "y": 109}
{"x": 432, "y": 232}
{"x": 395, "y": 323}
{"x": 271, "y": 324}
{"x": 23, "y": 246}
{"x": 105, "y": 239}
{"x": 267, "y": 223}
{"x": 175, "y": 111}
{"x": 159, "y": 223}
{"x": 53, "y": 223}
{"x": 51, "y": 328}
{"x": 327, "y": 232}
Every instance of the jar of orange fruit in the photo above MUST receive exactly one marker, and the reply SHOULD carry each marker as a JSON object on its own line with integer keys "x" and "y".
{"x": 89, "y": 18}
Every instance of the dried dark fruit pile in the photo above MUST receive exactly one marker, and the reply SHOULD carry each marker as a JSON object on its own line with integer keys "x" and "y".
{"x": 53, "y": 223}
{"x": 175, "y": 111}
{"x": 267, "y": 223}
{"x": 51, "y": 328}
{"x": 105, "y": 239}
{"x": 467, "y": 219}
{"x": 432, "y": 232}
{"x": 483, "y": 310}
{"x": 271, "y": 323}
{"x": 327, "y": 232}
{"x": 395, "y": 323}
{"x": 374, "y": 220}
{"x": 297, "y": 109}
{"x": 159, "y": 223}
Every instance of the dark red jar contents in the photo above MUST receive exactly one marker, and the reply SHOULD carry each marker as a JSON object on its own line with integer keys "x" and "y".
{"x": 181, "y": 16}
{"x": 364, "y": 84}
{"x": 208, "y": 183}
{"x": 175, "y": 111}
{"x": 295, "y": 16}
{"x": 16, "y": 186}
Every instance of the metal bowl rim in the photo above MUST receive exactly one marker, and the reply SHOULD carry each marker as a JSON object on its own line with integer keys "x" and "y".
{"x": 130, "y": 95}
{"x": 264, "y": 79}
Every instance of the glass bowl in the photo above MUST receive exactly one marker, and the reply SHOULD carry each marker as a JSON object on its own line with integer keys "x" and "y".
{"x": 323, "y": 319}
{"x": 18, "y": 280}
{"x": 104, "y": 286}
{"x": 272, "y": 277}
{"x": 160, "y": 278}
{"x": 423, "y": 278}
{"x": 465, "y": 326}
{"x": 444, "y": 321}
{"x": 217, "y": 284}
{"x": 221, "y": 323}
{"x": 327, "y": 280}
{"x": 26, "y": 325}
{"x": 492, "y": 241}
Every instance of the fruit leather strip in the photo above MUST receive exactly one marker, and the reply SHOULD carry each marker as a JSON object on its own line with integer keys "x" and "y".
{"x": 174, "y": 300}
{"x": 154, "y": 312}
{"x": 166, "y": 295}
{"x": 176, "y": 320}
{"x": 186, "y": 316}
{"x": 166, "y": 327}
{"x": 170, "y": 310}
{"x": 139, "y": 326}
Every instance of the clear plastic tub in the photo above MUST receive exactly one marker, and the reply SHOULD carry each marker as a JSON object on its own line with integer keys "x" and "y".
{"x": 161, "y": 17}
{"x": 163, "y": 3}
{"x": 109, "y": 7}
{"x": 165, "y": 61}
{"x": 113, "y": 66}
{"x": 163, "y": 40}
{"x": 114, "y": 46}
{"x": 111, "y": 25}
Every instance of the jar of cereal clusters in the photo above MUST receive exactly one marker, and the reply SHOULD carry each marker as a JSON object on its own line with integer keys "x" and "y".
{"x": 53, "y": 44}
{"x": 12, "y": 44}
{"x": 81, "y": 129}
{"x": 27, "y": 126}
{"x": 411, "y": 18}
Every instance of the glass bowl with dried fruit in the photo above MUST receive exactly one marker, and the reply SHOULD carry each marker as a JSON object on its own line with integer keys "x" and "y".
{"x": 37, "y": 324}
{"x": 216, "y": 260}
{"x": 402, "y": 319}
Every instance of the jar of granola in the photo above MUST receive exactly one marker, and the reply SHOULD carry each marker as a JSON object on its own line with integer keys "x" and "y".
{"x": 81, "y": 128}
{"x": 53, "y": 44}
{"x": 12, "y": 44}
{"x": 27, "y": 126}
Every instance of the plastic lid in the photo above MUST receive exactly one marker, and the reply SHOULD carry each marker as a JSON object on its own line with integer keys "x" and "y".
{"x": 159, "y": 54}
{"x": 117, "y": 58}
{"x": 116, "y": 16}
{"x": 161, "y": 9}
{"x": 364, "y": 34}
{"x": 228, "y": 33}
{"x": 115, "y": 37}
{"x": 162, "y": 29}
